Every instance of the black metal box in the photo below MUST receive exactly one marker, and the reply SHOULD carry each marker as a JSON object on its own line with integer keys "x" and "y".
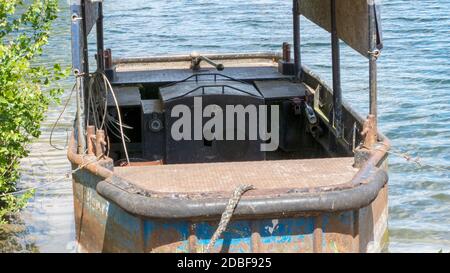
{"x": 220, "y": 94}
{"x": 153, "y": 131}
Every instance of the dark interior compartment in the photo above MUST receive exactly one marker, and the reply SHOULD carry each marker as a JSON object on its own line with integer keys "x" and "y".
{"x": 148, "y": 107}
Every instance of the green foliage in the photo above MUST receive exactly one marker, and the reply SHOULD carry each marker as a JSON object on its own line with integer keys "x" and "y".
{"x": 26, "y": 89}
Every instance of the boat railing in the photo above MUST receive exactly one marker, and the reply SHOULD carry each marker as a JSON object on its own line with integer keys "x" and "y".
{"x": 187, "y": 58}
{"x": 215, "y": 76}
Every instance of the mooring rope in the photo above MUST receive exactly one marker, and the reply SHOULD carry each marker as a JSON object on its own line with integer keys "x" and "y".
{"x": 227, "y": 214}
{"x": 80, "y": 167}
{"x": 58, "y": 119}
{"x": 415, "y": 160}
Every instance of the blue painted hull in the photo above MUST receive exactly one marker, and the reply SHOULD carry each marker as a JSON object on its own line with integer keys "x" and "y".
{"x": 102, "y": 226}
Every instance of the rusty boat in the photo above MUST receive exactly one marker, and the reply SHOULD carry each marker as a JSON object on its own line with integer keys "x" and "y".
{"x": 137, "y": 188}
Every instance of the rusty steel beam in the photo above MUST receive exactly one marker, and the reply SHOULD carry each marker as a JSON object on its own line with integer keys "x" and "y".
{"x": 369, "y": 132}
{"x": 187, "y": 58}
{"x": 100, "y": 143}
{"x": 96, "y": 168}
{"x": 90, "y": 139}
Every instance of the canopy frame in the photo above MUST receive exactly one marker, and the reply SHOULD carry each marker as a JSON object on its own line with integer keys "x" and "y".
{"x": 370, "y": 46}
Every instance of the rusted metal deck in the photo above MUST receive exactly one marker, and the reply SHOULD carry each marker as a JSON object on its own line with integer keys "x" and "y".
{"x": 225, "y": 177}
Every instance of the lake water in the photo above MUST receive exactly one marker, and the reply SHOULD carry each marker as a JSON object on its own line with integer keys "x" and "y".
{"x": 414, "y": 96}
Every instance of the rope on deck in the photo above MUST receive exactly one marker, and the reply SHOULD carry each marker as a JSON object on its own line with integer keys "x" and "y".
{"x": 227, "y": 214}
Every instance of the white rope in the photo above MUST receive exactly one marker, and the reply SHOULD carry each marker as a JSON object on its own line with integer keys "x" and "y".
{"x": 58, "y": 119}
{"x": 119, "y": 115}
{"x": 82, "y": 166}
{"x": 227, "y": 214}
{"x": 416, "y": 160}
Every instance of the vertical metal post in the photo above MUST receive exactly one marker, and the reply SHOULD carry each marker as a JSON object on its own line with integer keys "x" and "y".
{"x": 286, "y": 52}
{"x": 373, "y": 54}
{"x": 79, "y": 128}
{"x": 337, "y": 92}
{"x": 85, "y": 72}
{"x": 373, "y": 86}
{"x": 85, "y": 40}
{"x": 78, "y": 30}
{"x": 296, "y": 29}
{"x": 100, "y": 38}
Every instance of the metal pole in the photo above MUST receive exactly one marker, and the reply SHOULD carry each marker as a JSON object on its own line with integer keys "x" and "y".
{"x": 79, "y": 66}
{"x": 84, "y": 81}
{"x": 79, "y": 128}
{"x": 337, "y": 92}
{"x": 370, "y": 126}
{"x": 100, "y": 41}
{"x": 373, "y": 86}
{"x": 85, "y": 40}
{"x": 296, "y": 26}
{"x": 373, "y": 63}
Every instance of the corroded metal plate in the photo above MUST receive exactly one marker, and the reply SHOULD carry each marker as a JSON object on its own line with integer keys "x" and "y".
{"x": 225, "y": 177}
{"x": 352, "y": 18}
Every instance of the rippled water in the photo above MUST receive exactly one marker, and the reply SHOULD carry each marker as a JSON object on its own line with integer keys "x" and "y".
{"x": 414, "y": 85}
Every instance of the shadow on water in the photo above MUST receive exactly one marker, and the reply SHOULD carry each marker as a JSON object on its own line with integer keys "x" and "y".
{"x": 414, "y": 79}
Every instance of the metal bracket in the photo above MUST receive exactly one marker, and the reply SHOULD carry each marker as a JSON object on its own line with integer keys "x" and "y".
{"x": 76, "y": 17}
{"x": 375, "y": 53}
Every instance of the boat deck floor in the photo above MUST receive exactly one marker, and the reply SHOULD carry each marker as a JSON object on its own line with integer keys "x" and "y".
{"x": 225, "y": 177}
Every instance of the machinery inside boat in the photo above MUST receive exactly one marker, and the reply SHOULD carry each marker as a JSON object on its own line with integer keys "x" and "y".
{"x": 238, "y": 85}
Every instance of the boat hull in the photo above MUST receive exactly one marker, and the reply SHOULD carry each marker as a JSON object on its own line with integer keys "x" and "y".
{"x": 113, "y": 215}
{"x": 103, "y": 226}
